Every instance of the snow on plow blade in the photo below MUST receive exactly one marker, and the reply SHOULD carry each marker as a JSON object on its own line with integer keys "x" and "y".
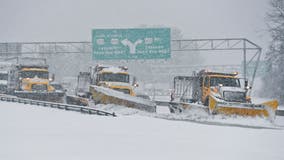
{"x": 267, "y": 109}
{"x": 109, "y": 96}
{"x": 42, "y": 96}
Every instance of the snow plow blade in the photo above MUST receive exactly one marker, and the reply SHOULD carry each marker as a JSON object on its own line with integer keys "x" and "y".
{"x": 75, "y": 100}
{"x": 42, "y": 96}
{"x": 104, "y": 95}
{"x": 267, "y": 109}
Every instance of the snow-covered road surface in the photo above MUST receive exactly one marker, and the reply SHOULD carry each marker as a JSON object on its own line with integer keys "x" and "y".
{"x": 34, "y": 132}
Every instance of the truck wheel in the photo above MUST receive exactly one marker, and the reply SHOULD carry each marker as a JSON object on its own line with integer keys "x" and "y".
{"x": 172, "y": 110}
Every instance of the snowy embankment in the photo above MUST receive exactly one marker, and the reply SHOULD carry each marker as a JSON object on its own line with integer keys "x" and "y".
{"x": 34, "y": 132}
{"x": 197, "y": 115}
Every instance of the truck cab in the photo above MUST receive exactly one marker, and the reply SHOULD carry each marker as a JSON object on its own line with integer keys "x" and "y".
{"x": 34, "y": 79}
{"x": 225, "y": 86}
{"x": 34, "y": 82}
{"x": 116, "y": 78}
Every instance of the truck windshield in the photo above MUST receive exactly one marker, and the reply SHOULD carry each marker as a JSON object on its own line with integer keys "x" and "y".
{"x": 32, "y": 74}
{"x": 114, "y": 77}
{"x": 229, "y": 82}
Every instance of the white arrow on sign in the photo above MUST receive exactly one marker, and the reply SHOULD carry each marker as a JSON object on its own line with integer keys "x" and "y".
{"x": 132, "y": 46}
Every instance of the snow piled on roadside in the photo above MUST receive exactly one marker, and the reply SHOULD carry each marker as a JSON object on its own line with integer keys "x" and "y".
{"x": 197, "y": 115}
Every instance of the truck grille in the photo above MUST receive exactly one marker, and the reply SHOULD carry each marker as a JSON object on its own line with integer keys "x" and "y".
{"x": 234, "y": 96}
{"x": 39, "y": 87}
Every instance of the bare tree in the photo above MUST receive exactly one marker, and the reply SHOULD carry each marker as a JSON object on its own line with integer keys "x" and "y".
{"x": 274, "y": 79}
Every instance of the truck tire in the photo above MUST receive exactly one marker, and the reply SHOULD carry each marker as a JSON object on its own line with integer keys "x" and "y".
{"x": 172, "y": 110}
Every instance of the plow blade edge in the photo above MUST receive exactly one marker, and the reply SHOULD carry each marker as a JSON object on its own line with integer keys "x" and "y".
{"x": 267, "y": 109}
{"x": 109, "y": 96}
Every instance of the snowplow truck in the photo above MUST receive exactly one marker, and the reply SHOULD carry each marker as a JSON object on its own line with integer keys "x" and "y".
{"x": 34, "y": 83}
{"x": 108, "y": 85}
{"x": 116, "y": 78}
{"x": 221, "y": 93}
{"x": 31, "y": 80}
{"x": 111, "y": 85}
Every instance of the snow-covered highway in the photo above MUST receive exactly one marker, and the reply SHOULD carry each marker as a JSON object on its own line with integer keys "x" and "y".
{"x": 33, "y": 132}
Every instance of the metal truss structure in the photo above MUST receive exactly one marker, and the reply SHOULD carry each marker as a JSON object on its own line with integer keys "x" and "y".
{"x": 228, "y": 44}
{"x": 189, "y": 69}
{"x": 213, "y": 44}
{"x": 45, "y": 48}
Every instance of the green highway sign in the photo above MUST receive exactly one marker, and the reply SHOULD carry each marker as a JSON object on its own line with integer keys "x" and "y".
{"x": 138, "y": 43}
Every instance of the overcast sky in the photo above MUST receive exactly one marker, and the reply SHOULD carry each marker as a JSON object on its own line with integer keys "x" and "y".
{"x": 70, "y": 20}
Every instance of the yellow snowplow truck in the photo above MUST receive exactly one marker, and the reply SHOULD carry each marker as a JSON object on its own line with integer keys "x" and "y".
{"x": 109, "y": 85}
{"x": 221, "y": 93}
{"x": 29, "y": 78}
{"x": 116, "y": 78}
{"x": 112, "y": 85}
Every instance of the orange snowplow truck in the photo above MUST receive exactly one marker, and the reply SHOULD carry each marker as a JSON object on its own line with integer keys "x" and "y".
{"x": 221, "y": 93}
{"x": 213, "y": 82}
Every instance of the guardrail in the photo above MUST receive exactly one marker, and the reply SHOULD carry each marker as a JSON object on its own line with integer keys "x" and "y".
{"x": 64, "y": 106}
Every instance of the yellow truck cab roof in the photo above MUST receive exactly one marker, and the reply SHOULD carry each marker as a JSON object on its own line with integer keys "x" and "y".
{"x": 218, "y": 74}
{"x": 222, "y": 76}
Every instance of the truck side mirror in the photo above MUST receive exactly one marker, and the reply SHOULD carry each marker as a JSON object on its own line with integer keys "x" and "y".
{"x": 51, "y": 79}
{"x": 247, "y": 87}
{"x": 246, "y": 83}
{"x": 136, "y": 84}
